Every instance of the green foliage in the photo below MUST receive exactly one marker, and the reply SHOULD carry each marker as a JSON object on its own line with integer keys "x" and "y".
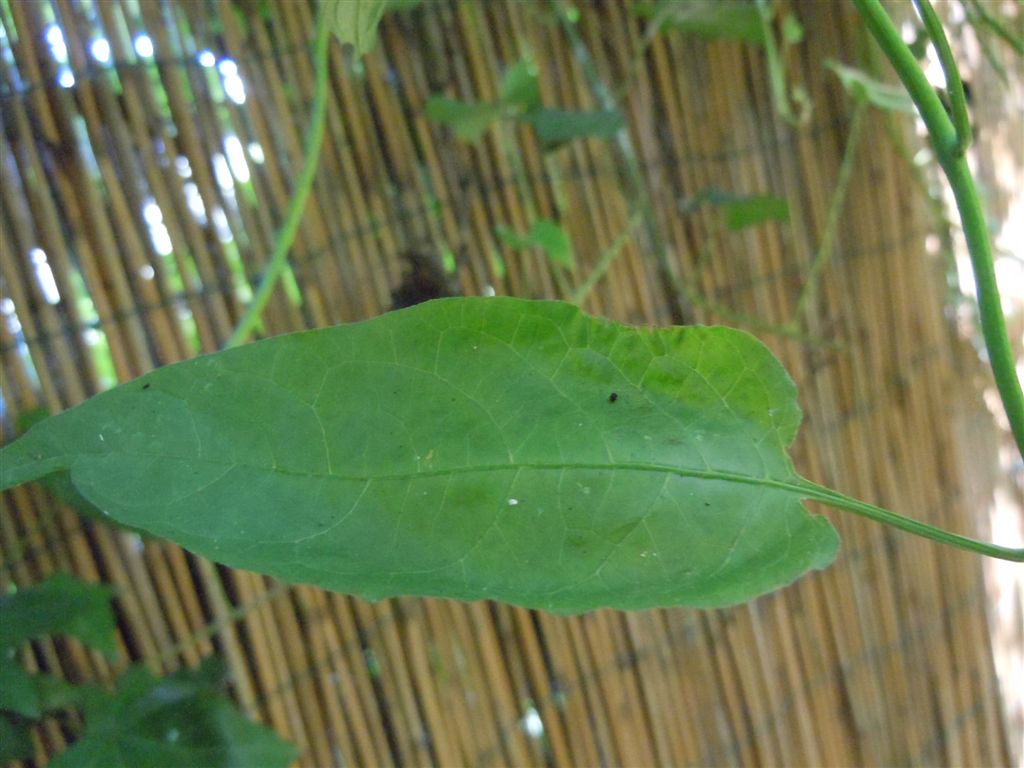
{"x": 58, "y": 484}
{"x": 15, "y": 738}
{"x": 145, "y": 722}
{"x": 60, "y": 605}
{"x": 750, "y": 211}
{"x": 863, "y": 87}
{"x": 558, "y": 126}
{"x": 17, "y": 693}
{"x": 519, "y": 88}
{"x": 182, "y": 719}
{"x": 469, "y": 120}
{"x": 355, "y": 21}
{"x": 708, "y": 19}
{"x": 468, "y": 448}
{"x": 741, "y": 211}
{"x": 545, "y": 234}
{"x": 520, "y": 100}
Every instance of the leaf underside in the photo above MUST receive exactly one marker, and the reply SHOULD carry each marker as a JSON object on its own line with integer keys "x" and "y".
{"x": 467, "y": 448}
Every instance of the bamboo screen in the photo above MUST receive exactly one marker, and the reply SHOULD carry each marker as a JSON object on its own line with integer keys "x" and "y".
{"x": 149, "y": 152}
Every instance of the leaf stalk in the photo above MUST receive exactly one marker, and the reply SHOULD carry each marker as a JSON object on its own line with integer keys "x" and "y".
{"x": 925, "y": 530}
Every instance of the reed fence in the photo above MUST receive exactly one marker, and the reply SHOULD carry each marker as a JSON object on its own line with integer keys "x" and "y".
{"x": 149, "y": 150}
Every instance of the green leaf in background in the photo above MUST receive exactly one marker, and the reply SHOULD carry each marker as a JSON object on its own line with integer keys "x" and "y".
{"x": 555, "y": 127}
{"x": 707, "y": 19}
{"x": 545, "y": 234}
{"x": 520, "y": 87}
{"x": 179, "y": 720}
{"x": 356, "y": 21}
{"x": 31, "y": 695}
{"x": 17, "y": 692}
{"x": 792, "y": 30}
{"x": 864, "y": 87}
{"x": 467, "y": 448}
{"x": 757, "y": 209}
{"x": 469, "y": 120}
{"x": 56, "y": 694}
{"x": 741, "y": 211}
{"x": 60, "y": 605}
{"x": 15, "y": 737}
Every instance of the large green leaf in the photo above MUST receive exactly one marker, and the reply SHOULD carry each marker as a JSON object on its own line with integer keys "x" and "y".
{"x": 469, "y": 448}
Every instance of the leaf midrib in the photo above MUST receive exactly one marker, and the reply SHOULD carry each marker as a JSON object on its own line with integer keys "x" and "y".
{"x": 797, "y": 485}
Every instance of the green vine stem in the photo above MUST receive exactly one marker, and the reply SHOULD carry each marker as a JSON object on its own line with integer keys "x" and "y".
{"x": 296, "y": 207}
{"x": 604, "y": 262}
{"x": 840, "y": 501}
{"x": 955, "y": 85}
{"x": 639, "y": 196}
{"x": 828, "y": 236}
{"x": 948, "y": 151}
{"x": 784, "y": 98}
{"x": 977, "y": 9}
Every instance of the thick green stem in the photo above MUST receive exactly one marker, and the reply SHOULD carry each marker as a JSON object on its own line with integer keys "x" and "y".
{"x": 947, "y": 149}
{"x": 286, "y": 237}
{"x": 916, "y": 527}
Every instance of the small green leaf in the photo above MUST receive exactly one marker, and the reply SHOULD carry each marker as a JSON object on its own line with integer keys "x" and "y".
{"x": 707, "y": 19}
{"x": 792, "y": 30}
{"x": 545, "y": 234}
{"x": 555, "y": 127}
{"x": 356, "y": 21}
{"x": 741, "y": 211}
{"x": 60, "y": 605}
{"x": 15, "y": 737}
{"x": 512, "y": 238}
{"x": 465, "y": 448}
{"x": 180, "y": 720}
{"x": 520, "y": 88}
{"x": 864, "y": 87}
{"x": 750, "y": 211}
{"x": 550, "y": 236}
{"x": 469, "y": 120}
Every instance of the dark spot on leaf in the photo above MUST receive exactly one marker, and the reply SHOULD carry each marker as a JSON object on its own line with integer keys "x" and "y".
{"x": 707, "y": 503}
{"x": 613, "y": 397}
{"x": 146, "y": 386}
